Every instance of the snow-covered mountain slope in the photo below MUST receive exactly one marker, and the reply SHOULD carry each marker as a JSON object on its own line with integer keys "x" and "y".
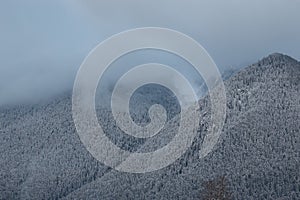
{"x": 259, "y": 149}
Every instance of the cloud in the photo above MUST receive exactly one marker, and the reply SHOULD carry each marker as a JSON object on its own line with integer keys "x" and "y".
{"x": 43, "y": 43}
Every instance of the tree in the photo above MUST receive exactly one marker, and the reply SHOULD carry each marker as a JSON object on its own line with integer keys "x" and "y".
{"x": 216, "y": 189}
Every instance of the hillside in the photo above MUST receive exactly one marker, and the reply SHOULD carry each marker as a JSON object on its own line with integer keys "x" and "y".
{"x": 258, "y": 152}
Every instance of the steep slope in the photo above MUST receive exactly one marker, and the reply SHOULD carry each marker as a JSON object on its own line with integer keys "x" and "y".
{"x": 42, "y": 156}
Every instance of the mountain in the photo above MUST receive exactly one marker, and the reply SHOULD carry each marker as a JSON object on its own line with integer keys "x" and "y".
{"x": 42, "y": 157}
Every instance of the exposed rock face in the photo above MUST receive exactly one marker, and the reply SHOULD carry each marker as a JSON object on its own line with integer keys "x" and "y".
{"x": 259, "y": 150}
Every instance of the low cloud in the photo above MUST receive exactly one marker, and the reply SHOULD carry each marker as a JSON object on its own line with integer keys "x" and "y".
{"x": 44, "y": 43}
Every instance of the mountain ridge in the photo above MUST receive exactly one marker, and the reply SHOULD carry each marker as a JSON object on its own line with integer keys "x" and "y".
{"x": 258, "y": 152}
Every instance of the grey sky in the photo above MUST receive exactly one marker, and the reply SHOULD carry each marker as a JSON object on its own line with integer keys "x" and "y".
{"x": 44, "y": 42}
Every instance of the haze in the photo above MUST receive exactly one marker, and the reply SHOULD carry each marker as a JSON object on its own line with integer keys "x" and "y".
{"x": 44, "y": 42}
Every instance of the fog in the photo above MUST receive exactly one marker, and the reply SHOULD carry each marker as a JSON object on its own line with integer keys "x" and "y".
{"x": 44, "y": 42}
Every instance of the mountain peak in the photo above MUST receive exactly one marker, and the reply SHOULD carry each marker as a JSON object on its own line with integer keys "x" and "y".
{"x": 275, "y": 58}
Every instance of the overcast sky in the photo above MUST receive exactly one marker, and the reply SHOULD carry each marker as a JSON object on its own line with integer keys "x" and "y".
{"x": 44, "y": 42}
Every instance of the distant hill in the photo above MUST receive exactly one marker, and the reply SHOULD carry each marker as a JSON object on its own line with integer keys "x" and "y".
{"x": 42, "y": 157}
